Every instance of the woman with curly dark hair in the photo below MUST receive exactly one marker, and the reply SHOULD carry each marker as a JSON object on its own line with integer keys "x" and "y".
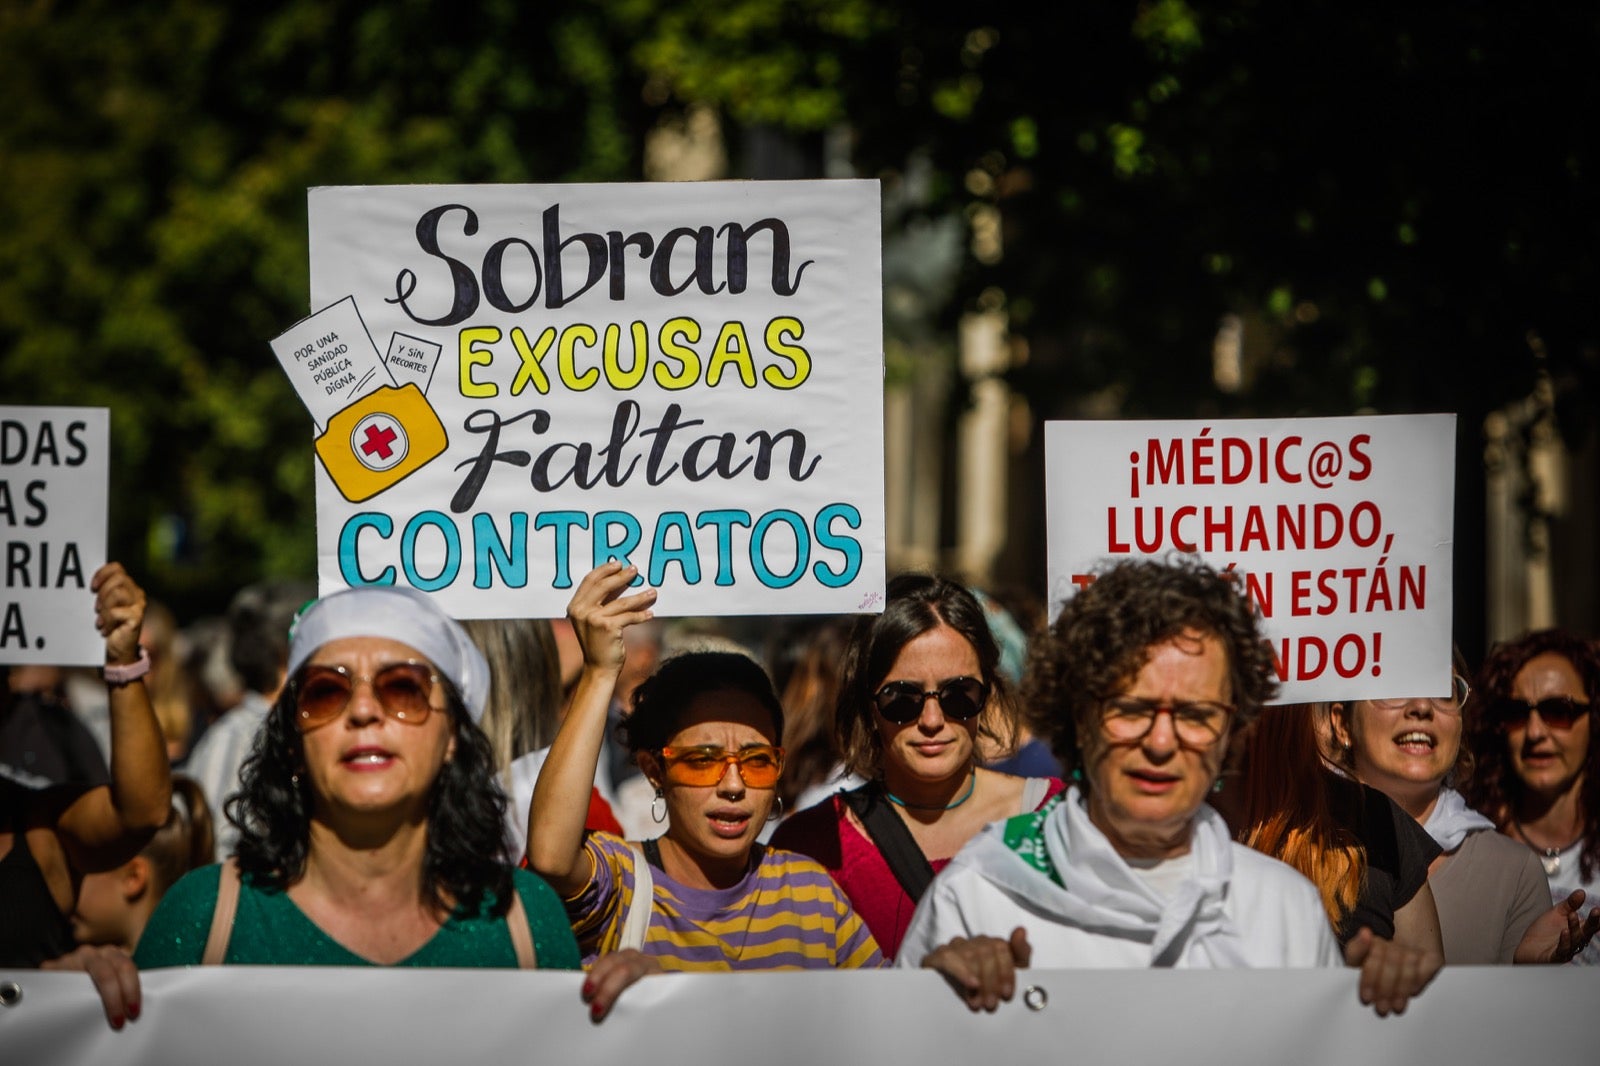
{"x": 1138, "y": 684}
{"x": 1537, "y": 773}
{"x": 370, "y": 817}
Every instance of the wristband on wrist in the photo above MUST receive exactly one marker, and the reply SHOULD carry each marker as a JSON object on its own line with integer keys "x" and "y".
{"x": 121, "y": 675}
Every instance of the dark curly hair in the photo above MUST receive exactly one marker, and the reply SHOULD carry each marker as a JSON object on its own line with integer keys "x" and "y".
{"x": 916, "y": 604}
{"x": 1104, "y": 635}
{"x": 465, "y": 855}
{"x": 660, "y": 701}
{"x": 1494, "y": 787}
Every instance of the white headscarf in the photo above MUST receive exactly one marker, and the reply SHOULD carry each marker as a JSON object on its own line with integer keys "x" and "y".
{"x": 1101, "y": 893}
{"x": 395, "y": 613}
{"x": 1452, "y": 821}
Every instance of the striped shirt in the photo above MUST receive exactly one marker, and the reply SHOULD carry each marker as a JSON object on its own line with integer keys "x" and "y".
{"x": 786, "y": 914}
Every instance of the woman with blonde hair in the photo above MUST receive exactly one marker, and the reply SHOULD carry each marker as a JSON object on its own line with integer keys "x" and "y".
{"x": 524, "y": 711}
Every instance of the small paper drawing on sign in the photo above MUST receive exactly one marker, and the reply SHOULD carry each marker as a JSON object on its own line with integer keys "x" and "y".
{"x": 373, "y": 432}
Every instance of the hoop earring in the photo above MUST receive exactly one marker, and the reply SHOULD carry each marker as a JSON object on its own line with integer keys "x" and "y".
{"x": 773, "y": 816}
{"x": 658, "y": 815}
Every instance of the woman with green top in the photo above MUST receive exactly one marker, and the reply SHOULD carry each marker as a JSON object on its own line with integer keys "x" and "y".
{"x": 370, "y": 818}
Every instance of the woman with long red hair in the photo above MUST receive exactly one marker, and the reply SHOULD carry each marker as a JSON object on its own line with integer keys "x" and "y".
{"x": 1367, "y": 857}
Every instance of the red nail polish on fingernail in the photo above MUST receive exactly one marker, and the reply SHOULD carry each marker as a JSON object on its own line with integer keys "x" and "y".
{"x": 133, "y": 1012}
{"x": 117, "y": 1022}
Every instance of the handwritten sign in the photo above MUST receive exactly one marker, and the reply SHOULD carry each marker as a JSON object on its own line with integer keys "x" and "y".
{"x": 54, "y": 464}
{"x": 1339, "y": 530}
{"x": 684, "y": 376}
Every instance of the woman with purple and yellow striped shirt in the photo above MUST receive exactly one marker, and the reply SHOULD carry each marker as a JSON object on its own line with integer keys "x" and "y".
{"x": 706, "y": 731}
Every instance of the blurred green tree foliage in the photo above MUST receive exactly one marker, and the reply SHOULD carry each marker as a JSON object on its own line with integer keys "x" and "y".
{"x": 154, "y": 162}
{"x": 1397, "y": 195}
{"x": 1399, "y": 201}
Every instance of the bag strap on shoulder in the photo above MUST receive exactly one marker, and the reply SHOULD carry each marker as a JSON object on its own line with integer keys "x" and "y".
{"x": 637, "y": 921}
{"x": 517, "y": 926}
{"x": 222, "y": 915}
{"x": 895, "y": 842}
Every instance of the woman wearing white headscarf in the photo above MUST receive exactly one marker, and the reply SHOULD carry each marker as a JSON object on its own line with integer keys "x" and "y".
{"x": 370, "y": 818}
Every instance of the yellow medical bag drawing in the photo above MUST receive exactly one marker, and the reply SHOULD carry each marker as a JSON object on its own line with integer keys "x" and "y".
{"x": 379, "y": 440}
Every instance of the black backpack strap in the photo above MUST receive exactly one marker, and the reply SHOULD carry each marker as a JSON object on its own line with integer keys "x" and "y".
{"x": 895, "y": 842}
{"x": 652, "y": 852}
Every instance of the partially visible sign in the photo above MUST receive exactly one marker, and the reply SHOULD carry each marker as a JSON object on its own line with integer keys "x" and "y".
{"x": 54, "y": 464}
{"x": 1339, "y": 529}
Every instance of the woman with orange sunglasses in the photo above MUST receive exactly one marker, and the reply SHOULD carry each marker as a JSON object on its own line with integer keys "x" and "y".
{"x": 706, "y": 730}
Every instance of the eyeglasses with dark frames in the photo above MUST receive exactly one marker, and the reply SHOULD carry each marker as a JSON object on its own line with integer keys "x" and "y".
{"x": 1197, "y": 723}
{"x": 1557, "y": 712}
{"x": 960, "y": 698}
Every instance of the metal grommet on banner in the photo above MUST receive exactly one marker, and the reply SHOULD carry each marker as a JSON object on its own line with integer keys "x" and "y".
{"x": 1035, "y": 997}
{"x": 10, "y": 994}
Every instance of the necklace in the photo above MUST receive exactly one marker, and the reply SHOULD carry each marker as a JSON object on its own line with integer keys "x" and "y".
{"x": 971, "y": 787}
{"x": 1549, "y": 858}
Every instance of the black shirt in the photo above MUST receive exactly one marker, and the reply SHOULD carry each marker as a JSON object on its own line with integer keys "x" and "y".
{"x": 1398, "y": 853}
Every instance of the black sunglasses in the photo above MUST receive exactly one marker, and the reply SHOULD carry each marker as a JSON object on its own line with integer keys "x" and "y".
{"x": 1557, "y": 712}
{"x": 959, "y": 698}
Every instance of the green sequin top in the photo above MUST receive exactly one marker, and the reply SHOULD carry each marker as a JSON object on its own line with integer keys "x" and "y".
{"x": 270, "y": 930}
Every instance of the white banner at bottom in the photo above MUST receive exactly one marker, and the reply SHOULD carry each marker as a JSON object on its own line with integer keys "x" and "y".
{"x": 241, "y": 1015}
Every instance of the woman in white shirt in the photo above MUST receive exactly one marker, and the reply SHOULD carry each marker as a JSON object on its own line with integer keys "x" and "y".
{"x": 1137, "y": 684}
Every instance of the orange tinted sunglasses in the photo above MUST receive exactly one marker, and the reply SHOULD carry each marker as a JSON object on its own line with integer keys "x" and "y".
{"x": 759, "y": 764}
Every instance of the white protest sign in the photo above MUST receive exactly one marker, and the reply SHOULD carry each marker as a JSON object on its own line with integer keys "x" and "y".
{"x": 245, "y": 1015}
{"x": 687, "y": 376}
{"x": 54, "y": 473}
{"x": 1340, "y": 530}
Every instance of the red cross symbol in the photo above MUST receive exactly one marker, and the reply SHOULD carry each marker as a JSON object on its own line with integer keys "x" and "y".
{"x": 378, "y": 441}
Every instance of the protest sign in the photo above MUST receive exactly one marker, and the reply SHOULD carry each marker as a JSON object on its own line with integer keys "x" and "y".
{"x": 513, "y": 384}
{"x": 54, "y": 464}
{"x": 1339, "y": 529}
{"x": 244, "y": 1015}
